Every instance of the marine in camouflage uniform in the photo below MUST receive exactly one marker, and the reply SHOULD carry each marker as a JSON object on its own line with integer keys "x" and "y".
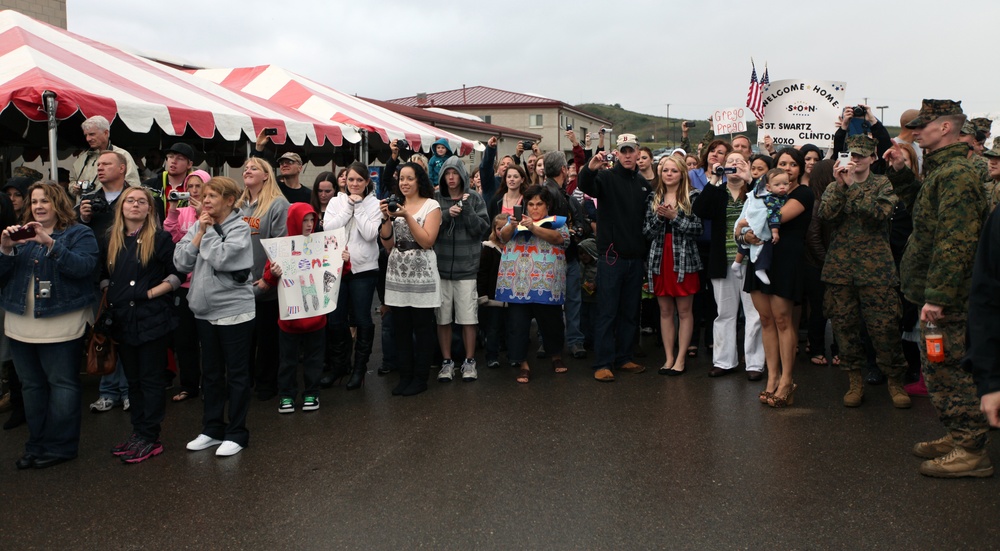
{"x": 860, "y": 275}
{"x": 992, "y": 186}
{"x": 949, "y": 209}
{"x": 969, "y": 132}
{"x": 984, "y": 125}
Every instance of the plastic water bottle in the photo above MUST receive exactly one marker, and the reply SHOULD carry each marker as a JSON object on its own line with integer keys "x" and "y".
{"x": 935, "y": 343}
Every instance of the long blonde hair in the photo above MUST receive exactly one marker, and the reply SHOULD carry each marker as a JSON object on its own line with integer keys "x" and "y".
{"x": 268, "y": 192}
{"x": 145, "y": 241}
{"x": 683, "y": 187}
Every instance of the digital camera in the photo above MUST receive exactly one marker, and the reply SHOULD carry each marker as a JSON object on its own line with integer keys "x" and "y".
{"x": 392, "y": 203}
{"x": 178, "y": 196}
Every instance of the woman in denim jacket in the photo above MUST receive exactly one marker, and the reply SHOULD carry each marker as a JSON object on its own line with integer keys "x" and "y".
{"x": 49, "y": 290}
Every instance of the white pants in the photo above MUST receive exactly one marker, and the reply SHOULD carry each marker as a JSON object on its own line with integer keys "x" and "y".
{"x": 728, "y": 296}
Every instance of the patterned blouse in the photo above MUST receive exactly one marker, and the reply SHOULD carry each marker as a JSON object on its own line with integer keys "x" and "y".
{"x": 411, "y": 277}
{"x": 532, "y": 270}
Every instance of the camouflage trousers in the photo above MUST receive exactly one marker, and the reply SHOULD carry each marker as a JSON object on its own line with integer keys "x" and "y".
{"x": 852, "y": 308}
{"x": 951, "y": 388}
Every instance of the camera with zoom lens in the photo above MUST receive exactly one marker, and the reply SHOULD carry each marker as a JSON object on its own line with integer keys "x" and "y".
{"x": 858, "y": 111}
{"x": 178, "y": 196}
{"x": 98, "y": 203}
{"x": 527, "y": 144}
{"x": 402, "y": 144}
{"x": 392, "y": 203}
{"x": 723, "y": 170}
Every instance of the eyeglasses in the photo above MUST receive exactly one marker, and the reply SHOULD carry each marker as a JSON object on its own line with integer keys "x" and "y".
{"x": 140, "y": 202}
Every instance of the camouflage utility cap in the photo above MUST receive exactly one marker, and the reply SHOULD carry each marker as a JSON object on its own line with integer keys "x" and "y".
{"x": 968, "y": 128}
{"x": 861, "y": 144}
{"x": 993, "y": 152}
{"x": 983, "y": 123}
{"x": 931, "y": 109}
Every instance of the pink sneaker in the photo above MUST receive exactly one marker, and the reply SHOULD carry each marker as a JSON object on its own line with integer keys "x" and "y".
{"x": 916, "y": 389}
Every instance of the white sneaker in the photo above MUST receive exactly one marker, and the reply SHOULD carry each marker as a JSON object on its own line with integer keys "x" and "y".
{"x": 228, "y": 448}
{"x": 126, "y": 404}
{"x": 102, "y": 404}
{"x": 469, "y": 370}
{"x": 447, "y": 372}
{"x": 203, "y": 442}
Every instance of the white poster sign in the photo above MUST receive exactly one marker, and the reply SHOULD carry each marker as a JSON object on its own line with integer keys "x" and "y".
{"x": 729, "y": 121}
{"x": 310, "y": 272}
{"x": 797, "y": 112}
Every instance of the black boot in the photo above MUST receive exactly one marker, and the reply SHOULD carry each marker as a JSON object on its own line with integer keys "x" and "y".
{"x": 16, "y": 418}
{"x": 339, "y": 347}
{"x": 419, "y": 382}
{"x": 362, "y": 351}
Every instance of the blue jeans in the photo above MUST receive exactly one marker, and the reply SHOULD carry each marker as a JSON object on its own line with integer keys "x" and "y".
{"x": 50, "y": 377}
{"x": 114, "y": 386}
{"x": 574, "y": 291}
{"x": 355, "y": 298}
{"x": 619, "y": 288}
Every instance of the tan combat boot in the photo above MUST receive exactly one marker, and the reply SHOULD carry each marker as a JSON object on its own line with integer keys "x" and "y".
{"x": 856, "y": 393}
{"x": 900, "y": 399}
{"x": 958, "y": 463}
{"x": 934, "y": 448}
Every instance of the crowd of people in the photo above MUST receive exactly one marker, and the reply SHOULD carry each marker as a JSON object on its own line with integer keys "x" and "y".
{"x": 877, "y": 235}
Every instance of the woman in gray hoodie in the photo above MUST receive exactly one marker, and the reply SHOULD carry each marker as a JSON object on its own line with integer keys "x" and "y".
{"x": 218, "y": 253}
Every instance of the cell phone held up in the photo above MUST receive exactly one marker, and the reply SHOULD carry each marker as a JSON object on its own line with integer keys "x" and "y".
{"x": 518, "y": 213}
{"x": 24, "y": 232}
{"x": 270, "y": 131}
{"x": 843, "y": 158}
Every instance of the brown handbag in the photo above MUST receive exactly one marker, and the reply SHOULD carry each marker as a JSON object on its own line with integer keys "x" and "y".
{"x": 101, "y": 355}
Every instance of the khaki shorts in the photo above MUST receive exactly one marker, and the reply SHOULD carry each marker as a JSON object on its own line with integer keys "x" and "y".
{"x": 459, "y": 302}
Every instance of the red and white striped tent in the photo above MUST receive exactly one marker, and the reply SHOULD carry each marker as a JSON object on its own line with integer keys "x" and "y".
{"x": 322, "y": 102}
{"x": 96, "y": 79}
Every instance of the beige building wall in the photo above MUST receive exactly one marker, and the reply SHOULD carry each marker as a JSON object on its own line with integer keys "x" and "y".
{"x": 552, "y": 129}
{"x": 52, "y": 12}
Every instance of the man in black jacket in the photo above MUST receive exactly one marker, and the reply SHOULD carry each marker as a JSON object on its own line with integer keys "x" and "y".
{"x": 621, "y": 194}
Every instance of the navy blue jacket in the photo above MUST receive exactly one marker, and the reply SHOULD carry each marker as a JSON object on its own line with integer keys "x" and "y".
{"x": 70, "y": 268}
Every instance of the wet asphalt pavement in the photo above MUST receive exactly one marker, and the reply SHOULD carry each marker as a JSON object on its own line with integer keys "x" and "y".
{"x": 564, "y": 462}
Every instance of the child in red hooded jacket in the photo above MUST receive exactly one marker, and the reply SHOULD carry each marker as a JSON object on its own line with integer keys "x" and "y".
{"x": 305, "y": 336}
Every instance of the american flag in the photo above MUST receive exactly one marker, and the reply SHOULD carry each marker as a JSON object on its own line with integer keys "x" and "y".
{"x": 754, "y": 96}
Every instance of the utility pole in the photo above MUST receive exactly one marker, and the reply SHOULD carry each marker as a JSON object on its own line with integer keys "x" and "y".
{"x": 668, "y": 125}
{"x": 881, "y": 112}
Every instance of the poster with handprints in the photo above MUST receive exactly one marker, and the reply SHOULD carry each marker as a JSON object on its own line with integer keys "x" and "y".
{"x": 310, "y": 272}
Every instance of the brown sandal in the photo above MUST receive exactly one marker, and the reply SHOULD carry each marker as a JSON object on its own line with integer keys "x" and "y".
{"x": 776, "y": 401}
{"x": 558, "y": 366}
{"x": 524, "y": 375}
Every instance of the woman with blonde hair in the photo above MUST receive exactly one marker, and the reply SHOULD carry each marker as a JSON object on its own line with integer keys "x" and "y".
{"x": 265, "y": 209}
{"x": 217, "y": 252}
{"x": 139, "y": 273}
{"x": 673, "y": 264}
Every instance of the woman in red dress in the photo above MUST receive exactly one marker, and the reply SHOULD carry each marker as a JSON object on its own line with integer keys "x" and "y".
{"x": 673, "y": 263}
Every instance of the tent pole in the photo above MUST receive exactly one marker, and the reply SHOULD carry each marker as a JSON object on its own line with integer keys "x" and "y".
{"x": 364, "y": 147}
{"x": 49, "y": 97}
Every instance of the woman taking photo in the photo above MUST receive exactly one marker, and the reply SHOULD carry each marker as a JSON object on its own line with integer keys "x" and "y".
{"x": 140, "y": 277}
{"x": 359, "y": 213}
{"x": 217, "y": 252}
{"x": 265, "y": 210}
{"x": 408, "y": 231}
{"x": 722, "y": 203}
{"x": 532, "y": 280}
{"x": 185, "y": 342}
{"x": 48, "y": 296}
{"x": 324, "y": 189}
{"x": 673, "y": 263}
{"x": 516, "y": 182}
{"x": 775, "y": 301}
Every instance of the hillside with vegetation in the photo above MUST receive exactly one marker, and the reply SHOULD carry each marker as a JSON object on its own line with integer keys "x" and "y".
{"x": 657, "y": 132}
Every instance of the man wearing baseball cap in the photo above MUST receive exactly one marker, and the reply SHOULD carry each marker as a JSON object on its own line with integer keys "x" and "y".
{"x": 178, "y": 160}
{"x": 290, "y": 167}
{"x": 949, "y": 209}
{"x": 621, "y": 194}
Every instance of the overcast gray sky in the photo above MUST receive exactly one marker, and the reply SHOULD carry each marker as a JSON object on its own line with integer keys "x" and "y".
{"x": 694, "y": 55}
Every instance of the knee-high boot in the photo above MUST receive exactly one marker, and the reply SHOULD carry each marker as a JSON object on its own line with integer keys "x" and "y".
{"x": 362, "y": 351}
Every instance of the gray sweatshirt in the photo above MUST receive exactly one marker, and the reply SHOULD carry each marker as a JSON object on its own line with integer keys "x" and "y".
{"x": 270, "y": 224}
{"x": 215, "y": 293}
{"x": 460, "y": 239}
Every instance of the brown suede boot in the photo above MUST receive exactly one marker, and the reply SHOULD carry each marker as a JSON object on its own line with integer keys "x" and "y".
{"x": 900, "y": 399}
{"x": 856, "y": 393}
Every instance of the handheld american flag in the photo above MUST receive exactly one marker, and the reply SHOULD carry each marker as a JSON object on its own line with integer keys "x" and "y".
{"x": 755, "y": 95}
